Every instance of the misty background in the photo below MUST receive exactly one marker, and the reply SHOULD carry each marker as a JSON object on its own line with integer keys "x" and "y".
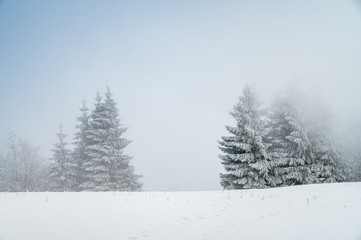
{"x": 176, "y": 69}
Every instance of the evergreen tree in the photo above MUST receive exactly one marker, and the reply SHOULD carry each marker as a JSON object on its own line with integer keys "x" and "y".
{"x": 328, "y": 164}
{"x": 353, "y": 157}
{"x": 61, "y": 172}
{"x": 349, "y": 139}
{"x": 81, "y": 142}
{"x": 94, "y": 138}
{"x": 289, "y": 145}
{"x": 355, "y": 164}
{"x": 123, "y": 170}
{"x": 109, "y": 168}
{"x": 245, "y": 159}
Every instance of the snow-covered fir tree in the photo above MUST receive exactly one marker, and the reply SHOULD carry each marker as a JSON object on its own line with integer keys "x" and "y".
{"x": 81, "y": 142}
{"x": 353, "y": 157}
{"x": 108, "y": 168}
{"x": 355, "y": 164}
{"x": 328, "y": 164}
{"x": 245, "y": 159}
{"x": 62, "y": 170}
{"x": 124, "y": 173}
{"x": 349, "y": 138}
{"x": 289, "y": 145}
{"x": 95, "y": 137}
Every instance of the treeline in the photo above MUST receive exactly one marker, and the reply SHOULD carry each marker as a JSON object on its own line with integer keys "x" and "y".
{"x": 289, "y": 143}
{"x": 96, "y": 162}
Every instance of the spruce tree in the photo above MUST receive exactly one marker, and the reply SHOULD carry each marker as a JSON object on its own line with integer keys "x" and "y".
{"x": 95, "y": 139}
{"x": 81, "y": 142}
{"x": 349, "y": 140}
{"x": 245, "y": 159}
{"x": 328, "y": 164}
{"x": 123, "y": 173}
{"x": 108, "y": 168}
{"x": 61, "y": 171}
{"x": 289, "y": 145}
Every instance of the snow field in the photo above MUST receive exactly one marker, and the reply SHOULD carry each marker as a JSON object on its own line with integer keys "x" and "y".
{"x": 327, "y": 211}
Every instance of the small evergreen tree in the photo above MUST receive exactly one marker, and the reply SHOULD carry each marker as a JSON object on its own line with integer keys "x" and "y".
{"x": 245, "y": 159}
{"x": 61, "y": 171}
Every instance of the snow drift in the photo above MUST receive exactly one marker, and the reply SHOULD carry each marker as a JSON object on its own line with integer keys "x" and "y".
{"x": 327, "y": 211}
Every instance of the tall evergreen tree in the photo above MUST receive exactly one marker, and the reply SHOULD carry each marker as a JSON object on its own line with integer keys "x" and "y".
{"x": 245, "y": 159}
{"x": 123, "y": 170}
{"x": 62, "y": 169}
{"x": 81, "y": 142}
{"x": 109, "y": 168}
{"x": 289, "y": 145}
{"x": 94, "y": 138}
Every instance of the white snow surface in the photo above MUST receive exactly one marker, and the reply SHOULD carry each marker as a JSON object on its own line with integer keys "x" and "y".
{"x": 327, "y": 211}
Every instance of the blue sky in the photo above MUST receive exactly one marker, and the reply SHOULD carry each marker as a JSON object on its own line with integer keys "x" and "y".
{"x": 176, "y": 69}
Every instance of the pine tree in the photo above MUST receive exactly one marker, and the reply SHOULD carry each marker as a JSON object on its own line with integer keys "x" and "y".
{"x": 245, "y": 159}
{"x": 61, "y": 171}
{"x": 289, "y": 145}
{"x": 109, "y": 168}
{"x": 81, "y": 142}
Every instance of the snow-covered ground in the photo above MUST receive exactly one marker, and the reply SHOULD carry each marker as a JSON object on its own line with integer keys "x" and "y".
{"x": 328, "y": 211}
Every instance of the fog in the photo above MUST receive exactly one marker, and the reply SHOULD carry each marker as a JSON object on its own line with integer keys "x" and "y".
{"x": 176, "y": 69}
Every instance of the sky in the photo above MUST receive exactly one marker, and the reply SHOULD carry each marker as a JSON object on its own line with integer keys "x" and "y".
{"x": 176, "y": 69}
